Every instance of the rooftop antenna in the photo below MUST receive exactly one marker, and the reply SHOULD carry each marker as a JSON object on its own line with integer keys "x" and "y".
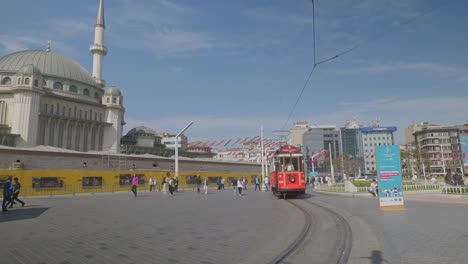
{"x": 48, "y": 45}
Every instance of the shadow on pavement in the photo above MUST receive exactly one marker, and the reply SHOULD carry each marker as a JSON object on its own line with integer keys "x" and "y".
{"x": 21, "y": 214}
{"x": 376, "y": 257}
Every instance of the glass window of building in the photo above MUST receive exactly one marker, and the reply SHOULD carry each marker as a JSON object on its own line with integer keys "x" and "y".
{"x": 58, "y": 86}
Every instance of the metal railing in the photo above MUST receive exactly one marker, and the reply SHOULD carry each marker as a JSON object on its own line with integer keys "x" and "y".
{"x": 461, "y": 190}
{"x": 74, "y": 189}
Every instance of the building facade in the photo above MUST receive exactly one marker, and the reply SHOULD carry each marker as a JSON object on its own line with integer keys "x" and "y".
{"x": 371, "y": 138}
{"x": 441, "y": 145}
{"x": 351, "y": 137}
{"x": 144, "y": 140}
{"x": 48, "y": 99}
{"x": 296, "y": 133}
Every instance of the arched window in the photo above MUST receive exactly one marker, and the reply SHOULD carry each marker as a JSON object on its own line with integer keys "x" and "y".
{"x": 77, "y": 138}
{"x": 51, "y": 109}
{"x": 3, "y": 112}
{"x": 6, "y": 81}
{"x": 85, "y": 139}
{"x": 60, "y": 134}
{"x": 69, "y": 136}
{"x": 58, "y": 86}
{"x": 101, "y": 138}
{"x": 36, "y": 83}
{"x": 73, "y": 89}
{"x": 51, "y": 133}
{"x": 42, "y": 127}
{"x": 93, "y": 138}
{"x": 26, "y": 81}
{"x": 114, "y": 100}
{"x": 96, "y": 95}
{"x": 86, "y": 92}
{"x": 108, "y": 100}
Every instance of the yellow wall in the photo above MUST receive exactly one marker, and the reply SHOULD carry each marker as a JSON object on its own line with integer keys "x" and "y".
{"x": 73, "y": 180}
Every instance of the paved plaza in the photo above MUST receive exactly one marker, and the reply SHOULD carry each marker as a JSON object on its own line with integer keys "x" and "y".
{"x": 221, "y": 228}
{"x": 151, "y": 228}
{"x": 428, "y": 232}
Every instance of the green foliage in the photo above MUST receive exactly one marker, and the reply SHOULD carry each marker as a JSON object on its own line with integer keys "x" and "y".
{"x": 362, "y": 183}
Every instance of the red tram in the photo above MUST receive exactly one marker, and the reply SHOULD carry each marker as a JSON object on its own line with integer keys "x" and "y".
{"x": 287, "y": 173}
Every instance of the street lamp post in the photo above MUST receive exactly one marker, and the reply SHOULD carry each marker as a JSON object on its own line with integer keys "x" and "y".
{"x": 176, "y": 156}
{"x": 263, "y": 159}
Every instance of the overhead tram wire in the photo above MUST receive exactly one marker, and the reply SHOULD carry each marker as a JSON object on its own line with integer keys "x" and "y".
{"x": 359, "y": 44}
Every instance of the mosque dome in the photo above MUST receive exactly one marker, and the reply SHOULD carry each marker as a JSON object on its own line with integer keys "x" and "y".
{"x": 30, "y": 69}
{"x": 113, "y": 90}
{"x": 142, "y": 130}
{"x": 49, "y": 63}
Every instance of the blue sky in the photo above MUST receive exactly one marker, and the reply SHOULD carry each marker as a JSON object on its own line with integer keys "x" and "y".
{"x": 231, "y": 66}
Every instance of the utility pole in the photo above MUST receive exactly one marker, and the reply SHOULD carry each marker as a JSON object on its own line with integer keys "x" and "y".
{"x": 332, "y": 171}
{"x": 263, "y": 158}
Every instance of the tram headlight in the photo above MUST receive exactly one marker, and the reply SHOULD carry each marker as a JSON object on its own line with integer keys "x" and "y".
{"x": 292, "y": 178}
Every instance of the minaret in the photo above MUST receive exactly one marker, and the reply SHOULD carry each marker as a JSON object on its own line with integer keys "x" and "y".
{"x": 98, "y": 49}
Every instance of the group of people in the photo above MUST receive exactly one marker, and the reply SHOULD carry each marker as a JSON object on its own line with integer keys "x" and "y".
{"x": 168, "y": 183}
{"x": 11, "y": 192}
{"x": 172, "y": 184}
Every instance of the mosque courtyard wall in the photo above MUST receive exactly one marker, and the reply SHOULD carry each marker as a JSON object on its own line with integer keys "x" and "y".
{"x": 55, "y": 172}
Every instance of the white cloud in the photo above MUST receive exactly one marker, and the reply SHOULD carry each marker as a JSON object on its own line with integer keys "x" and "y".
{"x": 11, "y": 43}
{"x": 398, "y": 112}
{"x": 451, "y": 71}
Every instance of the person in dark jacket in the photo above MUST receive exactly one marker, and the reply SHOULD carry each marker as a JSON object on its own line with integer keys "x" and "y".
{"x": 7, "y": 193}
{"x": 199, "y": 182}
{"x": 16, "y": 191}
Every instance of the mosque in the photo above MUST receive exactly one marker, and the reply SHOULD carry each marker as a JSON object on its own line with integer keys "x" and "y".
{"x": 48, "y": 99}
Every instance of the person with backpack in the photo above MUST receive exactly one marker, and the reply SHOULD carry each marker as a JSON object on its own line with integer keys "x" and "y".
{"x": 7, "y": 193}
{"x": 171, "y": 186}
{"x": 234, "y": 185}
{"x": 205, "y": 185}
{"x": 134, "y": 184}
{"x": 199, "y": 182}
{"x": 257, "y": 184}
{"x": 16, "y": 191}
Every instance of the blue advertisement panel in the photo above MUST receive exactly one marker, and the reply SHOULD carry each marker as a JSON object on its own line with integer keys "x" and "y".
{"x": 464, "y": 149}
{"x": 373, "y": 129}
{"x": 389, "y": 174}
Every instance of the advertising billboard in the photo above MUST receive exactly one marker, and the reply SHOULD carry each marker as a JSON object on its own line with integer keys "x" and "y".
{"x": 372, "y": 129}
{"x": 389, "y": 175}
{"x": 464, "y": 149}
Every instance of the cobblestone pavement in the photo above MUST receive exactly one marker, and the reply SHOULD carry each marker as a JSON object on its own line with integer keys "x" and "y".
{"x": 427, "y": 232}
{"x": 151, "y": 228}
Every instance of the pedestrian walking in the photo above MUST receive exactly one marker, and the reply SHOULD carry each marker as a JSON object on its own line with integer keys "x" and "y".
{"x": 414, "y": 179}
{"x": 164, "y": 184}
{"x": 244, "y": 183}
{"x": 199, "y": 182}
{"x": 257, "y": 184}
{"x": 433, "y": 179}
{"x": 171, "y": 185}
{"x": 373, "y": 188}
{"x": 312, "y": 182}
{"x": 218, "y": 182}
{"x": 134, "y": 184}
{"x": 205, "y": 185}
{"x": 16, "y": 191}
{"x": 267, "y": 182}
{"x": 222, "y": 183}
{"x": 7, "y": 193}
{"x": 152, "y": 184}
{"x": 240, "y": 186}
{"x": 234, "y": 185}
{"x": 176, "y": 184}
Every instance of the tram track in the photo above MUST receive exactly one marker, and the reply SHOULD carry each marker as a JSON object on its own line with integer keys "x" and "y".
{"x": 318, "y": 242}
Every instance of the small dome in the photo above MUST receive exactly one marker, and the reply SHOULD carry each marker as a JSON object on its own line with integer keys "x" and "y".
{"x": 113, "y": 91}
{"x": 142, "y": 130}
{"x": 30, "y": 69}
